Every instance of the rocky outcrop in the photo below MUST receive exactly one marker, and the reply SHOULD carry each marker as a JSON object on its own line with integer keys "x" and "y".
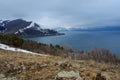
{"x": 102, "y": 76}
{"x": 65, "y": 75}
{"x": 2, "y": 77}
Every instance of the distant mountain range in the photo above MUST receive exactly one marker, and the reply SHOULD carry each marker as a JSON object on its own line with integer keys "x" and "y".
{"x": 25, "y": 28}
{"x": 109, "y": 28}
{"x": 60, "y": 29}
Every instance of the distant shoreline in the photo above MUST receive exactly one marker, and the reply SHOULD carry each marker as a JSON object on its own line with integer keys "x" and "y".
{"x": 58, "y": 34}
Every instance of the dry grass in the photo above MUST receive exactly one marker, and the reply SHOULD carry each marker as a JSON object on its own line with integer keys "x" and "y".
{"x": 35, "y": 67}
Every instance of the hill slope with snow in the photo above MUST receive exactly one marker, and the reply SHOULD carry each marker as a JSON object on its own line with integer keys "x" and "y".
{"x": 8, "y": 48}
{"x": 18, "y": 66}
{"x": 24, "y": 28}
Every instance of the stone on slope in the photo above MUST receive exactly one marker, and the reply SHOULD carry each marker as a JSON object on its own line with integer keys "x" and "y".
{"x": 68, "y": 75}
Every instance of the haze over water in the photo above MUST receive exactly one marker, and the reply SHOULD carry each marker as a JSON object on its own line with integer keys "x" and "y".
{"x": 85, "y": 40}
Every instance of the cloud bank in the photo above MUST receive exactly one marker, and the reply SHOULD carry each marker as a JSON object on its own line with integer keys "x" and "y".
{"x": 64, "y": 13}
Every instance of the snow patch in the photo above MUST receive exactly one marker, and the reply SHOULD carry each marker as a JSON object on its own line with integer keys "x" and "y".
{"x": 22, "y": 30}
{"x": 16, "y": 32}
{"x": 6, "y": 47}
{"x": 31, "y": 25}
{"x": 1, "y": 21}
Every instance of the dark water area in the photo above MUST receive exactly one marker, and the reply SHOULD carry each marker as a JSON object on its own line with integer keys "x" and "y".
{"x": 85, "y": 40}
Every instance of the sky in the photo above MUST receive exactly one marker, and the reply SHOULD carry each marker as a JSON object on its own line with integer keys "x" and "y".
{"x": 63, "y": 13}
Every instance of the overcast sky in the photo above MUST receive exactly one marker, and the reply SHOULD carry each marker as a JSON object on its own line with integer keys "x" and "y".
{"x": 63, "y": 13}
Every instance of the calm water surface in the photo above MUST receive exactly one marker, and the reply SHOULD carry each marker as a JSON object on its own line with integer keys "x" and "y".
{"x": 85, "y": 40}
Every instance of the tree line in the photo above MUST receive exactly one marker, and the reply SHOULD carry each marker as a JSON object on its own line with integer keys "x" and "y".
{"x": 99, "y": 55}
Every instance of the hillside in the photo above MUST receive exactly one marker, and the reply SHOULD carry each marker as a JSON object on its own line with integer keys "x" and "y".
{"x": 21, "y": 66}
{"x": 99, "y": 55}
{"x": 29, "y": 60}
{"x": 25, "y": 28}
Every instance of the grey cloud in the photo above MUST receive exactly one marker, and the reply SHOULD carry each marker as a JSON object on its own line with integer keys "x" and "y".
{"x": 65, "y": 13}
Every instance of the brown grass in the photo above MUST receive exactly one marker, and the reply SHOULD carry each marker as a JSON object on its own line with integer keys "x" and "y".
{"x": 35, "y": 67}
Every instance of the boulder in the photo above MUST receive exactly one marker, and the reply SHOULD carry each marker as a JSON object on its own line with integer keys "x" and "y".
{"x": 2, "y": 77}
{"x": 68, "y": 75}
{"x": 64, "y": 65}
{"x": 102, "y": 76}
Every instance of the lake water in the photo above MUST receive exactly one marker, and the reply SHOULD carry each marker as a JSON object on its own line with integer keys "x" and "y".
{"x": 85, "y": 40}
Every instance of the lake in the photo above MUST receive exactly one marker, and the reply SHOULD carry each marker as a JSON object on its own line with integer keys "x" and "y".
{"x": 85, "y": 40}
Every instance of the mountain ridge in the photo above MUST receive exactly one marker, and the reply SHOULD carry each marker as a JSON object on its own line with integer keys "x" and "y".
{"x": 25, "y": 28}
{"x": 108, "y": 28}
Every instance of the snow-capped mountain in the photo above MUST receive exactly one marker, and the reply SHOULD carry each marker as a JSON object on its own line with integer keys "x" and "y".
{"x": 24, "y": 28}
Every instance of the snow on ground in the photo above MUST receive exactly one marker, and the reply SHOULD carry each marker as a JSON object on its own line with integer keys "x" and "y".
{"x": 1, "y": 21}
{"x": 6, "y": 47}
{"x": 31, "y": 25}
{"x": 22, "y": 30}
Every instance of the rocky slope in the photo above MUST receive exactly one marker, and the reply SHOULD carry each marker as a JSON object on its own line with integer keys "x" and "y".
{"x": 24, "y": 28}
{"x": 20, "y": 66}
